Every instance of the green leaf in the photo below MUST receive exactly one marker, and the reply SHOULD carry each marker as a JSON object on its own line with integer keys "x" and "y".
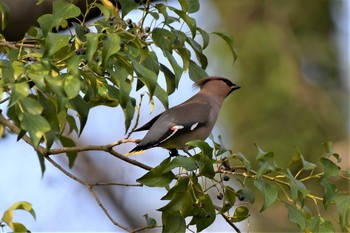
{"x": 330, "y": 168}
{"x": 158, "y": 177}
{"x": 31, "y": 105}
{"x": 343, "y": 207}
{"x": 191, "y": 22}
{"x": 297, "y": 158}
{"x": 80, "y": 32}
{"x": 92, "y": 44}
{"x": 7, "y": 218}
{"x": 119, "y": 76}
{"x": 163, "y": 10}
{"x": 229, "y": 42}
{"x": 262, "y": 154}
{"x": 270, "y": 193}
{"x": 176, "y": 67}
{"x": 205, "y": 148}
{"x": 180, "y": 40}
{"x": 184, "y": 5}
{"x": 19, "y": 227}
{"x": 296, "y": 216}
{"x": 169, "y": 78}
{"x": 264, "y": 167}
{"x": 205, "y": 37}
{"x": 154, "y": 179}
{"x": 173, "y": 222}
{"x": 195, "y": 72}
{"x": 185, "y": 55}
{"x": 36, "y": 73}
{"x": 5, "y": 11}
{"x": 36, "y": 126}
{"x": 18, "y": 69}
{"x": 23, "y": 205}
{"x": 229, "y": 199}
{"x": 319, "y": 224}
{"x": 73, "y": 65}
{"x": 71, "y": 86}
{"x": 207, "y": 217}
{"x": 182, "y": 161}
{"x": 63, "y": 10}
{"x": 243, "y": 159}
{"x": 296, "y": 187}
{"x": 181, "y": 185}
{"x": 163, "y": 38}
{"x": 46, "y": 23}
{"x": 19, "y": 91}
{"x": 329, "y": 150}
{"x": 162, "y": 95}
{"x": 146, "y": 76}
{"x": 67, "y": 142}
{"x": 111, "y": 46}
{"x": 104, "y": 10}
{"x": 178, "y": 202}
{"x": 241, "y": 213}
{"x": 129, "y": 111}
{"x": 150, "y": 221}
{"x": 41, "y": 162}
{"x": 193, "y": 6}
{"x": 82, "y": 108}
{"x": 127, "y": 6}
{"x": 199, "y": 52}
{"x": 330, "y": 192}
{"x": 55, "y": 42}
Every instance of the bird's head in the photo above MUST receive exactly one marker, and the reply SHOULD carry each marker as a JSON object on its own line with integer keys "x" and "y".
{"x": 217, "y": 85}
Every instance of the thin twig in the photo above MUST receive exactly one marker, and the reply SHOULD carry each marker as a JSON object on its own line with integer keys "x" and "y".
{"x": 107, "y": 148}
{"x": 218, "y": 208}
{"x": 137, "y": 118}
{"x": 116, "y": 184}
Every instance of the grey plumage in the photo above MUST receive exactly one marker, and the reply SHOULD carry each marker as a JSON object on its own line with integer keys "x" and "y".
{"x": 193, "y": 119}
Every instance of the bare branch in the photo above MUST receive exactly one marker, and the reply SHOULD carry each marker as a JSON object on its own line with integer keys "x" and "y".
{"x": 107, "y": 148}
{"x": 116, "y": 184}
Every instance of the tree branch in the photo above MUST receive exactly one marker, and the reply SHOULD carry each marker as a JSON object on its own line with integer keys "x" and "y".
{"x": 107, "y": 148}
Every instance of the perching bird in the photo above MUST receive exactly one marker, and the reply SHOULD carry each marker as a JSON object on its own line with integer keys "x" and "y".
{"x": 193, "y": 119}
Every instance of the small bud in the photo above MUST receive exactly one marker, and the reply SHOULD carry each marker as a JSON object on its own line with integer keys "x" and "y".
{"x": 226, "y": 178}
{"x": 128, "y": 21}
{"x": 220, "y": 196}
{"x": 147, "y": 29}
{"x": 80, "y": 51}
{"x": 241, "y": 197}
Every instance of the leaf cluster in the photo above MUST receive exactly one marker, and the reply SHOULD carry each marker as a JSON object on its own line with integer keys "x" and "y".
{"x": 53, "y": 78}
{"x": 214, "y": 167}
{"x": 7, "y": 218}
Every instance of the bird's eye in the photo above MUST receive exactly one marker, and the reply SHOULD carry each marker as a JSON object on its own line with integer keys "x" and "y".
{"x": 228, "y": 83}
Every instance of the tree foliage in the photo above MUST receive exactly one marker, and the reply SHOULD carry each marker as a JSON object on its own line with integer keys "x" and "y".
{"x": 51, "y": 80}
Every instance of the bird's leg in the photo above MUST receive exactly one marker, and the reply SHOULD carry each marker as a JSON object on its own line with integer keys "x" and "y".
{"x": 173, "y": 152}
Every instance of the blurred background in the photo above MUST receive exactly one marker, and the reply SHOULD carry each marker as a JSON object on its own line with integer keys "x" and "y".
{"x": 293, "y": 66}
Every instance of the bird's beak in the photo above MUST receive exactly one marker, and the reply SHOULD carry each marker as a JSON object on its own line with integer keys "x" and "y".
{"x": 234, "y": 87}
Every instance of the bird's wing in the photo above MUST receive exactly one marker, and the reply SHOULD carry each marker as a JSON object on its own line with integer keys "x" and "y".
{"x": 174, "y": 122}
{"x": 148, "y": 125}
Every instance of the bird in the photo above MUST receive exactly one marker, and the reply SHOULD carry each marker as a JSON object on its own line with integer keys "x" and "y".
{"x": 193, "y": 119}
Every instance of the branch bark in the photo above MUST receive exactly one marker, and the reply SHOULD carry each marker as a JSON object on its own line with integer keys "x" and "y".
{"x": 107, "y": 148}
